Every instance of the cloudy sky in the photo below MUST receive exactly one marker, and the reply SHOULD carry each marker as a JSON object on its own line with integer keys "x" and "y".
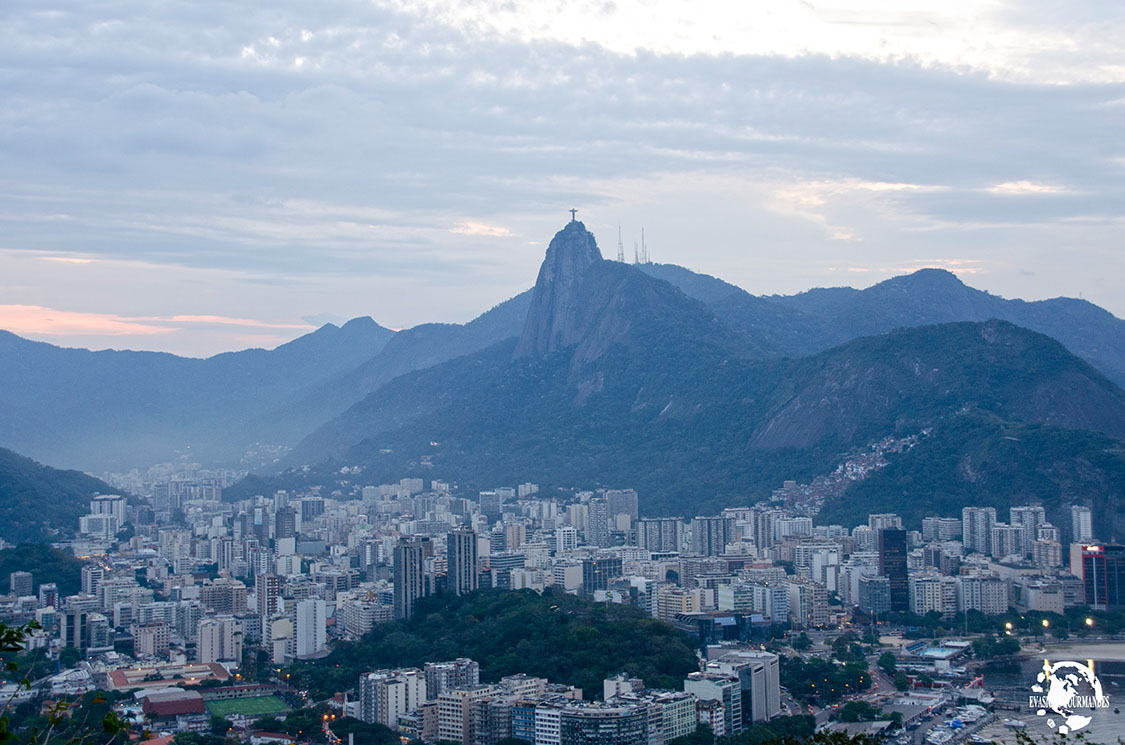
{"x": 203, "y": 176}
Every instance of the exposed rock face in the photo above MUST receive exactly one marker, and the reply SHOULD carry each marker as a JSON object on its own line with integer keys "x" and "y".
{"x": 555, "y": 319}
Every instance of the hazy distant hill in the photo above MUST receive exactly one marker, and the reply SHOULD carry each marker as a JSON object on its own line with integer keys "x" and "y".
{"x": 619, "y": 378}
{"x": 113, "y": 410}
{"x": 36, "y": 499}
{"x": 812, "y": 321}
{"x": 120, "y": 409}
{"x": 411, "y": 349}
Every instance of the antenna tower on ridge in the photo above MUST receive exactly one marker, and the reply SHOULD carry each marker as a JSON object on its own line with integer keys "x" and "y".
{"x": 620, "y": 246}
{"x": 644, "y": 248}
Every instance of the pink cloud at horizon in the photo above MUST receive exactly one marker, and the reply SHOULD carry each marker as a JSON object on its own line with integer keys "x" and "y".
{"x": 37, "y": 319}
{"x": 45, "y": 321}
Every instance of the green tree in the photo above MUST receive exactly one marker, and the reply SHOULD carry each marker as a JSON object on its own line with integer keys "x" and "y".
{"x": 557, "y": 636}
{"x": 304, "y": 721}
{"x": 859, "y": 711}
{"x": 777, "y": 730}
{"x": 888, "y": 662}
{"x": 987, "y": 647}
{"x": 220, "y": 725}
{"x": 269, "y": 724}
{"x": 846, "y": 649}
{"x": 88, "y": 720}
{"x": 901, "y": 681}
{"x": 69, "y": 657}
{"x": 702, "y": 736}
{"x": 802, "y": 642}
{"x": 817, "y": 680}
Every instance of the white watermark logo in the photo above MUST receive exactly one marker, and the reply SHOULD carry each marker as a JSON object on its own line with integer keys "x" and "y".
{"x": 1066, "y": 688}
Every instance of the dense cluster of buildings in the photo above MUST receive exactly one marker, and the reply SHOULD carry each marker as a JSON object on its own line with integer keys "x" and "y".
{"x": 183, "y": 577}
{"x": 447, "y": 701}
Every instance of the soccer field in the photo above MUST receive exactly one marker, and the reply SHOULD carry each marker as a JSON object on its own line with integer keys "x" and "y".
{"x": 260, "y": 706}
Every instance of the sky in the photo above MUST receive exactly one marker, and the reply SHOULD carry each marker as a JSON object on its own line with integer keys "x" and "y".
{"x": 197, "y": 177}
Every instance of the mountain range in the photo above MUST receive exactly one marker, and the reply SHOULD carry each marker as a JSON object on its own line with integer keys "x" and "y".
{"x": 819, "y": 319}
{"x": 618, "y": 379}
{"x": 688, "y": 388}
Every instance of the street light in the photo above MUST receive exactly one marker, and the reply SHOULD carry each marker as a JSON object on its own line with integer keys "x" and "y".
{"x": 1089, "y": 622}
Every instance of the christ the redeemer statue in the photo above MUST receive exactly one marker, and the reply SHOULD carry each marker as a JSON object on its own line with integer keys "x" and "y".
{"x": 573, "y": 212}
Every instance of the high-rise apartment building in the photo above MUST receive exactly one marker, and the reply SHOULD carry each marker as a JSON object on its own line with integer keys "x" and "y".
{"x": 409, "y": 576}
{"x": 311, "y": 509}
{"x": 597, "y": 571}
{"x": 461, "y": 561}
{"x": 113, "y": 505}
{"x": 661, "y": 534}
{"x": 808, "y": 602}
{"x": 1028, "y": 518}
{"x": 310, "y": 629}
{"x": 224, "y": 595}
{"x": 759, "y": 675}
{"x": 1081, "y": 524}
{"x": 606, "y": 724}
{"x": 455, "y": 712}
{"x": 92, "y": 576}
{"x": 930, "y": 591}
{"x": 445, "y": 676}
{"x": 491, "y": 504}
{"x": 566, "y": 538}
{"x": 892, "y": 565}
{"x": 723, "y": 688}
{"x": 623, "y": 502}
{"x": 873, "y": 594}
{"x": 1103, "y": 575}
{"x": 385, "y": 695}
{"x": 941, "y": 528}
{"x": 285, "y": 523}
{"x": 984, "y": 593}
{"x": 151, "y": 640}
{"x": 219, "y": 639}
{"x": 884, "y": 520}
{"x": 73, "y": 628}
{"x": 501, "y": 565}
{"x": 48, "y": 595}
{"x": 267, "y": 589}
{"x": 1006, "y": 540}
{"x": 597, "y": 523}
{"x": 20, "y": 583}
{"x": 976, "y": 529}
{"x": 710, "y": 535}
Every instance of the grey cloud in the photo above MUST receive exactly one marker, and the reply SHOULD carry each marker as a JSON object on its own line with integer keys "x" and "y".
{"x": 162, "y": 141}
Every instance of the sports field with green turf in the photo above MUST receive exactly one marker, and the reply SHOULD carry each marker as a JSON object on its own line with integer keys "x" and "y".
{"x": 254, "y": 707}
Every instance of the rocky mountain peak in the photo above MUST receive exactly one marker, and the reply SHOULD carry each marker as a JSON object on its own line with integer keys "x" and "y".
{"x": 553, "y": 320}
{"x": 571, "y": 251}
